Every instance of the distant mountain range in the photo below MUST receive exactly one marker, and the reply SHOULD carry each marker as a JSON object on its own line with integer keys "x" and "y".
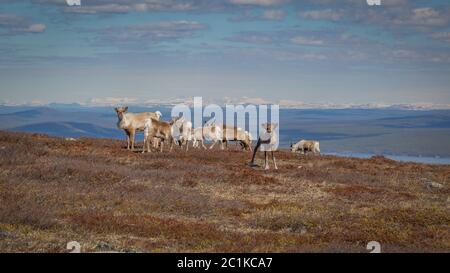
{"x": 372, "y": 131}
{"x": 59, "y": 122}
{"x": 70, "y": 129}
{"x": 284, "y": 104}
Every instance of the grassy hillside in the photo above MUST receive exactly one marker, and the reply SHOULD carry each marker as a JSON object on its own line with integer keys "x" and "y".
{"x": 94, "y": 191}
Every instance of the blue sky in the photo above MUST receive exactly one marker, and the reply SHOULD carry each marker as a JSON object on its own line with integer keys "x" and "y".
{"x": 318, "y": 51}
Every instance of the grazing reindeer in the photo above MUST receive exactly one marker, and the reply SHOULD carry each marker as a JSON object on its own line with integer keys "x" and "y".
{"x": 183, "y": 128}
{"x": 158, "y": 129}
{"x": 133, "y": 122}
{"x": 304, "y": 146}
{"x": 268, "y": 143}
{"x": 210, "y": 132}
{"x": 236, "y": 134}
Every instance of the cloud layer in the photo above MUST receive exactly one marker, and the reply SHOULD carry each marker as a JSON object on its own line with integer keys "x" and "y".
{"x": 11, "y": 24}
{"x": 344, "y": 50}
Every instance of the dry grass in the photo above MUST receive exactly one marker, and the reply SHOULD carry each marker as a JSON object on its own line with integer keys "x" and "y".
{"x": 54, "y": 191}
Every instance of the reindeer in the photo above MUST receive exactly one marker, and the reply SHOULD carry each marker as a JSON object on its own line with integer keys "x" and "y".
{"x": 304, "y": 146}
{"x": 133, "y": 122}
{"x": 182, "y": 131}
{"x": 239, "y": 135}
{"x": 158, "y": 129}
{"x": 268, "y": 141}
{"x": 210, "y": 132}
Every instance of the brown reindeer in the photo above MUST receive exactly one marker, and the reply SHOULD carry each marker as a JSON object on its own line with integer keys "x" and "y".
{"x": 133, "y": 122}
{"x": 158, "y": 129}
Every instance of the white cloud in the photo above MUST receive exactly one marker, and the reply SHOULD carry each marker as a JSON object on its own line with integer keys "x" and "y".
{"x": 153, "y": 32}
{"x": 258, "y": 2}
{"x": 301, "y": 40}
{"x": 443, "y": 36}
{"x": 395, "y": 14}
{"x": 252, "y": 38}
{"x": 273, "y": 15}
{"x": 112, "y": 101}
{"x": 324, "y": 14}
{"x": 13, "y": 24}
{"x": 107, "y": 8}
{"x": 269, "y": 15}
{"x": 36, "y": 28}
{"x": 422, "y": 17}
{"x": 126, "y": 6}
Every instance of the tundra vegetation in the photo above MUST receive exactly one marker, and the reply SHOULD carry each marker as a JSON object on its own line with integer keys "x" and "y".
{"x": 94, "y": 191}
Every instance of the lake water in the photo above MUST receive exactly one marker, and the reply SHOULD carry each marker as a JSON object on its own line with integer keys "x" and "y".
{"x": 402, "y": 158}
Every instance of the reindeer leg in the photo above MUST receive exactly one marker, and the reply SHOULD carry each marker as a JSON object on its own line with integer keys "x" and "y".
{"x": 132, "y": 137}
{"x": 128, "y": 139}
{"x": 274, "y": 161}
{"x": 148, "y": 146}
{"x": 266, "y": 161}
{"x": 171, "y": 144}
{"x": 203, "y": 145}
{"x": 212, "y": 146}
{"x": 258, "y": 144}
{"x": 145, "y": 143}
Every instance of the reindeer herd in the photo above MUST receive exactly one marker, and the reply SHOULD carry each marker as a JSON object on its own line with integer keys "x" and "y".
{"x": 179, "y": 131}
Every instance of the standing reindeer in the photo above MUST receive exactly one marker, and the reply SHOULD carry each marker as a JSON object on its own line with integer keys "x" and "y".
{"x": 182, "y": 131}
{"x": 158, "y": 129}
{"x": 133, "y": 122}
{"x": 210, "y": 132}
{"x": 268, "y": 141}
{"x": 232, "y": 133}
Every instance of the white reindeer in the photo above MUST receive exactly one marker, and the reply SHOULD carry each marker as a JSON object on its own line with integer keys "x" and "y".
{"x": 268, "y": 142}
{"x": 304, "y": 146}
{"x": 182, "y": 132}
{"x": 239, "y": 135}
{"x": 210, "y": 132}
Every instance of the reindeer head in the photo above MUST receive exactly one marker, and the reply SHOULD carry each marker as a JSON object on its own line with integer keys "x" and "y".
{"x": 120, "y": 111}
{"x": 293, "y": 148}
{"x": 177, "y": 121}
{"x": 269, "y": 127}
